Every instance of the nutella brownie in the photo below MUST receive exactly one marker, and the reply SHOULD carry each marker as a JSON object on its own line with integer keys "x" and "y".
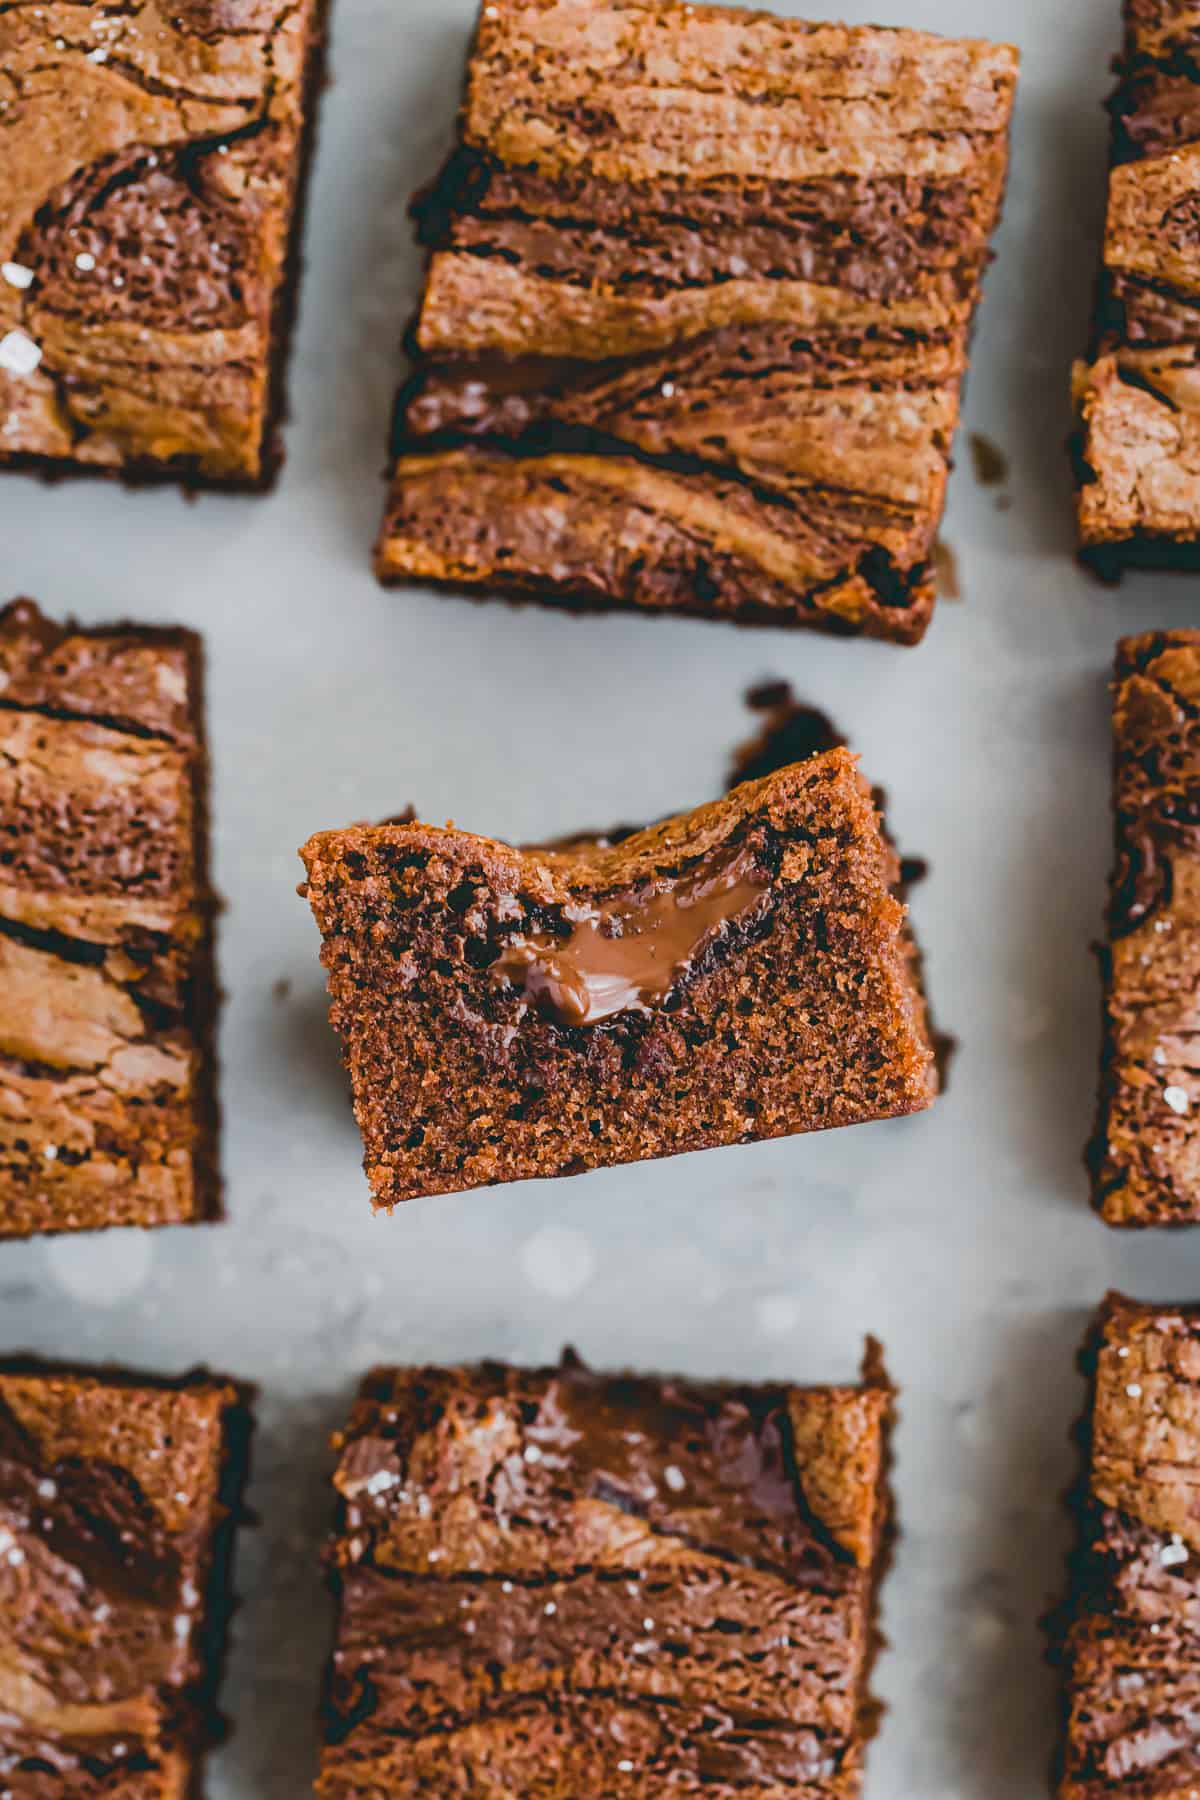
{"x": 697, "y": 313}
{"x": 1138, "y": 395}
{"x": 118, "y": 1500}
{"x": 742, "y": 971}
{"x": 107, "y": 1108}
{"x": 150, "y": 174}
{"x": 555, "y": 1584}
{"x": 1128, "y": 1638}
{"x": 1145, "y": 1157}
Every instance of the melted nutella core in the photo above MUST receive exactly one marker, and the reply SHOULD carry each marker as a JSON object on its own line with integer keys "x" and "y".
{"x": 627, "y": 955}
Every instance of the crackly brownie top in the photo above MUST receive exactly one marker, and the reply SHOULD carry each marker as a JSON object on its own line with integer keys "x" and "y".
{"x": 591, "y": 1584}
{"x": 1133, "y": 1643}
{"x": 647, "y": 148}
{"x": 108, "y": 1503}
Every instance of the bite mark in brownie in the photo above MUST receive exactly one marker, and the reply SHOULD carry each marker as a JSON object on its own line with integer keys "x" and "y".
{"x": 151, "y": 166}
{"x": 739, "y": 972}
{"x": 1138, "y": 393}
{"x": 555, "y": 1583}
{"x": 697, "y": 313}
{"x": 107, "y": 990}
{"x": 1145, "y": 1156}
{"x": 1128, "y": 1637}
{"x": 119, "y": 1496}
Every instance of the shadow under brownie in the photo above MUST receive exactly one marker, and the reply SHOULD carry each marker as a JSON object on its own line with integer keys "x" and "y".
{"x": 107, "y": 990}
{"x": 151, "y": 173}
{"x": 738, "y": 972}
{"x": 554, "y": 1583}
{"x": 697, "y": 313}
{"x": 119, "y": 1495}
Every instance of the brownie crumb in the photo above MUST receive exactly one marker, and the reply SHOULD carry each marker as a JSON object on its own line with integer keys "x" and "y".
{"x": 949, "y": 586}
{"x": 988, "y": 461}
{"x": 791, "y": 733}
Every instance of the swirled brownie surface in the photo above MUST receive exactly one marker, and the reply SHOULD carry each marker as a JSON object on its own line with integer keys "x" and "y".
{"x": 1146, "y": 1153}
{"x": 150, "y": 159}
{"x": 1129, "y": 1638}
{"x": 556, "y": 1583}
{"x": 739, "y": 972}
{"x": 1138, "y": 395}
{"x": 107, "y": 1109}
{"x": 117, "y": 1503}
{"x": 697, "y": 312}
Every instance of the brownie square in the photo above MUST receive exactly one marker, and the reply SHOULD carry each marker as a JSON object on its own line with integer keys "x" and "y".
{"x": 107, "y": 994}
{"x": 697, "y": 313}
{"x": 557, "y": 1583}
{"x": 1128, "y": 1638}
{"x": 1138, "y": 394}
{"x": 1145, "y": 1156}
{"x": 118, "y": 1500}
{"x": 738, "y": 972}
{"x": 151, "y": 168}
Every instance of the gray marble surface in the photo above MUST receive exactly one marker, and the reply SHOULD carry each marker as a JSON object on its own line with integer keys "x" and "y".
{"x": 962, "y": 1238}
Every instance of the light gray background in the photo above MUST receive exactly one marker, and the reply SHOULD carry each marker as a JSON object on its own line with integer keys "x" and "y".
{"x": 962, "y": 1238}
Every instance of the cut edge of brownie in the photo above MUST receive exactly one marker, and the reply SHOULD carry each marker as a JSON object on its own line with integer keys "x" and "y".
{"x": 201, "y": 1724}
{"x": 203, "y": 994}
{"x": 146, "y": 472}
{"x": 375, "y": 1388}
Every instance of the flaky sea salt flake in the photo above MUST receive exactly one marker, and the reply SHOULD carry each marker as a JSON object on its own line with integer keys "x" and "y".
{"x": 18, "y": 353}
